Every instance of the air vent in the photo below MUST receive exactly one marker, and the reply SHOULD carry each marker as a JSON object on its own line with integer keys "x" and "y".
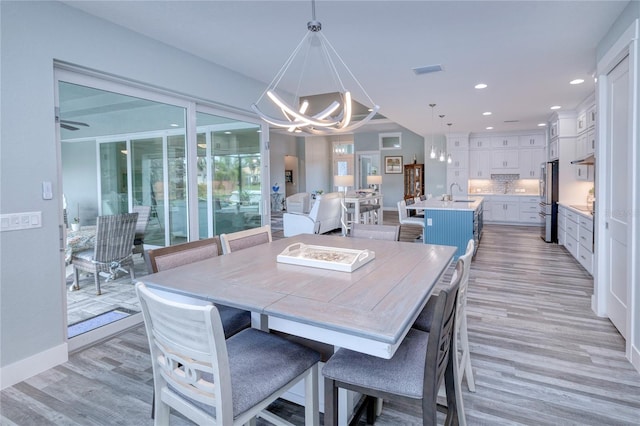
{"x": 427, "y": 70}
{"x": 511, "y": 121}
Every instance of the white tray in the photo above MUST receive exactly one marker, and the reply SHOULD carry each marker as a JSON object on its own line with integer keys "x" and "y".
{"x": 334, "y": 258}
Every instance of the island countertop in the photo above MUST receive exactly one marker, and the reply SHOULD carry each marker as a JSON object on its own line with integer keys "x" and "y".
{"x": 458, "y": 203}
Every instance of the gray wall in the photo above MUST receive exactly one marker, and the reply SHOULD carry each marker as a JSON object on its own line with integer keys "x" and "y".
{"x": 32, "y": 36}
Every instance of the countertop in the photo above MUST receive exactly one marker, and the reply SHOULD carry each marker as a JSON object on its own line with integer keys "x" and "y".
{"x": 583, "y": 210}
{"x": 458, "y": 203}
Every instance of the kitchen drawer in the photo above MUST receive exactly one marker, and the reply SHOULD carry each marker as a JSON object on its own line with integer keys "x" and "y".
{"x": 585, "y": 257}
{"x": 571, "y": 215}
{"x": 571, "y": 244}
{"x": 586, "y": 223}
{"x": 530, "y": 217}
{"x": 529, "y": 207}
{"x": 571, "y": 228}
{"x": 586, "y": 239}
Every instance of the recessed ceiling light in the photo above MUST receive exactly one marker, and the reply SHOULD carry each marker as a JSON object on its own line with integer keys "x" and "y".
{"x": 577, "y": 81}
{"x": 487, "y": 113}
{"x": 489, "y": 128}
{"x": 542, "y": 124}
{"x": 227, "y": 132}
{"x": 556, "y": 107}
{"x": 480, "y": 86}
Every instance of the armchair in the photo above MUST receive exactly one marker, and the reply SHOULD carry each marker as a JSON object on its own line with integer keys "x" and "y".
{"x": 323, "y": 217}
{"x": 298, "y": 203}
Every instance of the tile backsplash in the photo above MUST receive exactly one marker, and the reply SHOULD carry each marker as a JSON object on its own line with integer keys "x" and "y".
{"x": 504, "y": 184}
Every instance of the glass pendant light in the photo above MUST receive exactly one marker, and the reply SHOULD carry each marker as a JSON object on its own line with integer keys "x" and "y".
{"x": 432, "y": 154}
{"x": 441, "y": 157}
{"x": 449, "y": 159}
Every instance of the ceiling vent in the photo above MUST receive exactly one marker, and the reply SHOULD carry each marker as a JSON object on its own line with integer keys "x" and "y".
{"x": 427, "y": 70}
{"x": 511, "y": 121}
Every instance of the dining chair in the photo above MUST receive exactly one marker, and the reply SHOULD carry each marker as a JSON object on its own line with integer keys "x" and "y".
{"x": 404, "y": 219}
{"x": 144, "y": 213}
{"x": 462, "y": 366}
{"x": 415, "y": 372}
{"x": 244, "y": 239}
{"x": 112, "y": 252}
{"x": 376, "y": 232}
{"x": 210, "y": 380}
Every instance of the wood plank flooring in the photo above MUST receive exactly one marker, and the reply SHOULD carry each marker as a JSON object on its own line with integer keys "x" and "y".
{"x": 539, "y": 354}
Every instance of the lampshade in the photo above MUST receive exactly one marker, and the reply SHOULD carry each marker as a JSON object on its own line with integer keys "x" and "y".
{"x": 374, "y": 179}
{"x": 343, "y": 180}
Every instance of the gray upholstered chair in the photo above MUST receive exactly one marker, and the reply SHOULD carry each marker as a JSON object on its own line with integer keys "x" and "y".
{"x": 376, "y": 232}
{"x": 144, "y": 212}
{"x": 462, "y": 367}
{"x": 404, "y": 218}
{"x": 246, "y": 238}
{"x": 211, "y": 380}
{"x": 112, "y": 251}
{"x": 415, "y": 372}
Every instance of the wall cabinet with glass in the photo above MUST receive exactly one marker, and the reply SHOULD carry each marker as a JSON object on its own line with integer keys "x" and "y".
{"x": 413, "y": 180}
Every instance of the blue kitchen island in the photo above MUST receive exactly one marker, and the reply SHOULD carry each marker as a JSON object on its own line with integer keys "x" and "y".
{"x": 452, "y": 223}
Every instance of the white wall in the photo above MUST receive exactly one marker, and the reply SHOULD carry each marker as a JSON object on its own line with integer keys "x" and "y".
{"x": 33, "y": 35}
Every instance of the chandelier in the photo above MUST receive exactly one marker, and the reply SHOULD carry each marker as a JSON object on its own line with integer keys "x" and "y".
{"x": 337, "y": 116}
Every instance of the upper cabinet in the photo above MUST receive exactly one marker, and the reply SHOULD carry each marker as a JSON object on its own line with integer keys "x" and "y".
{"x": 480, "y": 142}
{"x": 532, "y": 141}
{"x": 504, "y": 142}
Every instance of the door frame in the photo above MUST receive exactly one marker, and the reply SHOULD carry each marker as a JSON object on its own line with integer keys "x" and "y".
{"x": 626, "y": 44}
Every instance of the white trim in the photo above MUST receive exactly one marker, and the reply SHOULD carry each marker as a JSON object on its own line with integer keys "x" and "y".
{"x": 33, "y": 365}
{"x": 107, "y": 331}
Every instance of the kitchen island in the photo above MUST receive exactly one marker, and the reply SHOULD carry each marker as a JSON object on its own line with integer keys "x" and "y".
{"x": 452, "y": 223}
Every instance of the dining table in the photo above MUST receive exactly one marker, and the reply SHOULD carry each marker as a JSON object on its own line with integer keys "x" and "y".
{"x": 358, "y": 200}
{"x": 368, "y": 309}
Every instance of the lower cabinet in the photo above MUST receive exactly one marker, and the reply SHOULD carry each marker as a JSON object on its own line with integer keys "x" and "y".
{"x": 575, "y": 233}
{"x": 513, "y": 209}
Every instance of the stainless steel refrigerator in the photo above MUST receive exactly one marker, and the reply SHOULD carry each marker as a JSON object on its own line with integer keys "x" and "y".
{"x": 549, "y": 201}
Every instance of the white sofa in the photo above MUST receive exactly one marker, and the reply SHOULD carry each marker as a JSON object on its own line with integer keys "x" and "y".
{"x": 323, "y": 217}
{"x": 298, "y": 203}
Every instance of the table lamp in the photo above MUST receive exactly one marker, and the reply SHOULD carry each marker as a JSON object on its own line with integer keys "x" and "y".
{"x": 376, "y": 181}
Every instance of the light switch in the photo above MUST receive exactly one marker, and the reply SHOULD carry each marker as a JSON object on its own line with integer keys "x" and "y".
{"x": 47, "y": 190}
{"x": 429, "y": 222}
{"x": 20, "y": 221}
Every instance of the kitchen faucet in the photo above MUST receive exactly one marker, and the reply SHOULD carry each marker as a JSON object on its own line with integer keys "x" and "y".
{"x": 451, "y": 190}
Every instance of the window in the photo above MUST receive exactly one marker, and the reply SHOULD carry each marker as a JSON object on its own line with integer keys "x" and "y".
{"x": 390, "y": 140}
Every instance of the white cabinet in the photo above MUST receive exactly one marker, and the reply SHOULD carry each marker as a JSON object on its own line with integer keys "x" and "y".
{"x": 553, "y": 150}
{"x": 479, "y": 164}
{"x": 581, "y": 145}
{"x": 585, "y": 242}
{"x": 584, "y": 172}
{"x": 457, "y": 143}
{"x": 581, "y": 123}
{"x": 480, "y": 143}
{"x": 501, "y": 209}
{"x": 530, "y": 161}
{"x": 531, "y": 141}
{"x": 591, "y": 117}
{"x": 571, "y": 232}
{"x": 459, "y": 176}
{"x": 459, "y": 159}
{"x": 575, "y": 232}
{"x": 562, "y": 225}
{"x": 591, "y": 142}
{"x": 505, "y": 161}
{"x": 504, "y": 142}
{"x": 530, "y": 210}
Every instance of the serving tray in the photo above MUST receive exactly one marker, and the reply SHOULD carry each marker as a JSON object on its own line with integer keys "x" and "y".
{"x": 334, "y": 258}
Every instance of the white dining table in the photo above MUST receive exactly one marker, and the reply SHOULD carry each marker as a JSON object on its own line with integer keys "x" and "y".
{"x": 358, "y": 200}
{"x": 369, "y": 310}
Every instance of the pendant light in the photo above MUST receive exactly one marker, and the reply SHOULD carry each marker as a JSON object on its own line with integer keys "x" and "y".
{"x": 432, "y": 154}
{"x": 441, "y": 157}
{"x": 337, "y": 117}
{"x": 449, "y": 159}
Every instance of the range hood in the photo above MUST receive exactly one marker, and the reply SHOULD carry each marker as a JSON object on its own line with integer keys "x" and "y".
{"x": 589, "y": 159}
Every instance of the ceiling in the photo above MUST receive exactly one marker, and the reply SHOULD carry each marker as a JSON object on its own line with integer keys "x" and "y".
{"x": 525, "y": 51}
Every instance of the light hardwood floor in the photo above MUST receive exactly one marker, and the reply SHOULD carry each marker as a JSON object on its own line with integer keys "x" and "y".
{"x": 539, "y": 354}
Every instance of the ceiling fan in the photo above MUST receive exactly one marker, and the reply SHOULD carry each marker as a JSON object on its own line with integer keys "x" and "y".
{"x": 72, "y": 125}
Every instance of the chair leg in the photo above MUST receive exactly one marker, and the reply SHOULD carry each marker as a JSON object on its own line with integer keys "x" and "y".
{"x": 311, "y": 403}
{"x": 456, "y": 374}
{"x": 465, "y": 360}
{"x": 76, "y": 278}
{"x": 96, "y": 277}
{"x": 330, "y": 403}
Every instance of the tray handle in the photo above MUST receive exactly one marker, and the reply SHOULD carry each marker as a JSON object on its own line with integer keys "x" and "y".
{"x": 362, "y": 256}
{"x": 291, "y": 248}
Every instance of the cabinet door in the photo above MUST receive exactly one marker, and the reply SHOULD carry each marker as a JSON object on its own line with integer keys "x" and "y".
{"x": 480, "y": 164}
{"x": 531, "y": 141}
{"x": 459, "y": 159}
{"x": 553, "y": 150}
{"x": 584, "y": 172}
{"x": 530, "y": 160}
{"x": 581, "y": 145}
{"x": 457, "y": 144}
{"x": 480, "y": 143}
{"x": 504, "y": 142}
{"x": 581, "y": 123}
{"x": 591, "y": 142}
{"x": 591, "y": 117}
{"x": 504, "y": 159}
{"x": 459, "y": 176}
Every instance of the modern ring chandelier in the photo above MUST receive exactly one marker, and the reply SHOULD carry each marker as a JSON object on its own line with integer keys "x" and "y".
{"x": 337, "y": 116}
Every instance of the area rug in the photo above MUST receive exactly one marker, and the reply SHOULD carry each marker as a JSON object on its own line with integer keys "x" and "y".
{"x": 98, "y": 321}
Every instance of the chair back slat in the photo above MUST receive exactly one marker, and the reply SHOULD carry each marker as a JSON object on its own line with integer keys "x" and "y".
{"x": 376, "y": 232}
{"x": 189, "y": 351}
{"x": 114, "y": 237}
{"x": 165, "y": 258}
{"x": 245, "y": 239}
{"x": 441, "y": 335}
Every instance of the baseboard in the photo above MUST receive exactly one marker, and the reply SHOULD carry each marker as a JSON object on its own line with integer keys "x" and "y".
{"x": 635, "y": 358}
{"x": 36, "y": 364}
